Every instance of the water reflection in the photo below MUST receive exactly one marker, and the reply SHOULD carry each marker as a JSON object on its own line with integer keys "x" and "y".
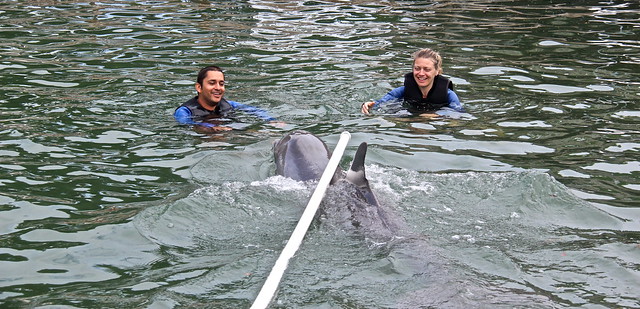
{"x": 77, "y": 256}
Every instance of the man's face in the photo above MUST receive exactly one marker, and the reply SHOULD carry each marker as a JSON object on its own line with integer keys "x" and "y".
{"x": 212, "y": 89}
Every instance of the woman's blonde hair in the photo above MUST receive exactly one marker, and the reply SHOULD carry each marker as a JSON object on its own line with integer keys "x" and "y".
{"x": 429, "y": 53}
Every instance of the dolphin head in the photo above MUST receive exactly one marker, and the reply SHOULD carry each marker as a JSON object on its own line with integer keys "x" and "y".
{"x": 302, "y": 156}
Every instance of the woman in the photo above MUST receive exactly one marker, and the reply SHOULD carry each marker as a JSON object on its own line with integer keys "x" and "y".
{"x": 425, "y": 89}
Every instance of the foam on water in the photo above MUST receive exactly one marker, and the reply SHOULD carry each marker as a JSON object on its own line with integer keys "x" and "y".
{"x": 489, "y": 225}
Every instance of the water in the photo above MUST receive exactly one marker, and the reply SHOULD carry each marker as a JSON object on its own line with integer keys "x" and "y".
{"x": 530, "y": 200}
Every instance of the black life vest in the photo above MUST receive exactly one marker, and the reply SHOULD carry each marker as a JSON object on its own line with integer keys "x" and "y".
{"x": 223, "y": 109}
{"x": 436, "y": 99}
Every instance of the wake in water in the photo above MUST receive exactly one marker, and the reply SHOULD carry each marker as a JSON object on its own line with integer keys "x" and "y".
{"x": 522, "y": 237}
{"x": 451, "y": 240}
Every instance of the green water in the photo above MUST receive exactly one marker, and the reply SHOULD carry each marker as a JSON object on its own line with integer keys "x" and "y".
{"x": 530, "y": 199}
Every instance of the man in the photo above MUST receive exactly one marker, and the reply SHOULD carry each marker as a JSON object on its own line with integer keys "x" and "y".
{"x": 209, "y": 108}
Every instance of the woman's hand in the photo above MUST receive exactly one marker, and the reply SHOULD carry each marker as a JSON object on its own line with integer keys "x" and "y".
{"x": 366, "y": 106}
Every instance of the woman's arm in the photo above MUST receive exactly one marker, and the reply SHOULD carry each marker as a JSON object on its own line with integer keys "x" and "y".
{"x": 395, "y": 94}
{"x": 454, "y": 101}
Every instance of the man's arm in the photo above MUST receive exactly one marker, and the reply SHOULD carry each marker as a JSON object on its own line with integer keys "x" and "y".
{"x": 260, "y": 113}
{"x": 183, "y": 115}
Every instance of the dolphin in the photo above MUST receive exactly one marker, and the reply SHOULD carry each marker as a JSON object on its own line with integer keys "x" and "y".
{"x": 351, "y": 204}
{"x": 302, "y": 156}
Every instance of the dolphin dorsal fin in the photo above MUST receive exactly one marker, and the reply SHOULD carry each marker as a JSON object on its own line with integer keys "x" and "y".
{"x": 356, "y": 173}
{"x": 356, "y": 176}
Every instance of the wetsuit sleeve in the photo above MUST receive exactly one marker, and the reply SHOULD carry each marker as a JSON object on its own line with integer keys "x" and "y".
{"x": 395, "y": 94}
{"x": 260, "y": 113}
{"x": 454, "y": 101}
{"x": 183, "y": 115}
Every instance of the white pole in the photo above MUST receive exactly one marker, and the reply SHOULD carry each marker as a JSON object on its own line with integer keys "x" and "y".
{"x": 270, "y": 286}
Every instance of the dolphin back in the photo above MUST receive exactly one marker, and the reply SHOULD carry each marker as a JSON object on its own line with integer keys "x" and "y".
{"x": 353, "y": 203}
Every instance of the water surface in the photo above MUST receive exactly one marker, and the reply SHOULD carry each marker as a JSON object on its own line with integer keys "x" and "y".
{"x": 530, "y": 199}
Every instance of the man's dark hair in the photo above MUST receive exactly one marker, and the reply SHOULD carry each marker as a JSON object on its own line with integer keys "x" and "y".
{"x": 203, "y": 72}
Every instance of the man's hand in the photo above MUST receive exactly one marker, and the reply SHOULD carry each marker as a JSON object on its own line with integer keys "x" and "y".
{"x": 278, "y": 124}
{"x": 212, "y": 129}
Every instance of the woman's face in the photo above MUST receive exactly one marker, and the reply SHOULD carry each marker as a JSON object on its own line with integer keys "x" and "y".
{"x": 424, "y": 71}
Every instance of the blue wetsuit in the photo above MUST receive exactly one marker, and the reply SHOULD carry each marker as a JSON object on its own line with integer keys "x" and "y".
{"x": 441, "y": 92}
{"x": 191, "y": 112}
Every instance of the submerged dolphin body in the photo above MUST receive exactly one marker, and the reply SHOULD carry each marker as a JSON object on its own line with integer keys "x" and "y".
{"x": 351, "y": 205}
{"x": 303, "y": 156}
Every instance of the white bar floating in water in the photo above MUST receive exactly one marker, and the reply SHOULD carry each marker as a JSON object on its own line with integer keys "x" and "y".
{"x": 270, "y": 286}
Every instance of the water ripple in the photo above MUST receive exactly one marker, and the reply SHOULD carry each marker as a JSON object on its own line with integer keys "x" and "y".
{"x": 88, "y": 145}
